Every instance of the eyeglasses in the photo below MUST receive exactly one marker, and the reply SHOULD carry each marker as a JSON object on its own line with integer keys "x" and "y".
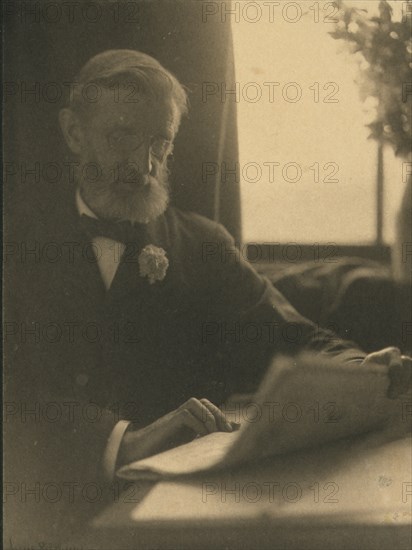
{"x": 127, "y": 143}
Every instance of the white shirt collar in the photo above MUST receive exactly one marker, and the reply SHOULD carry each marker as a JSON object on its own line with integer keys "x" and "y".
{"x": 82, "y": 206}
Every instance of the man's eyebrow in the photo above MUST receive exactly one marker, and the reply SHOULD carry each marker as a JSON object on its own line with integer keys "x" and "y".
{"x": 166, "y": 130}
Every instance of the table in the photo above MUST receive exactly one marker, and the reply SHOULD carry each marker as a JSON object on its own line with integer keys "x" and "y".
{"x": 353, "y": 494}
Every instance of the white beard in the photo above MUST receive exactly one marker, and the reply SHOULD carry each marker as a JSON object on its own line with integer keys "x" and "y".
{"x": 140, "y": 205}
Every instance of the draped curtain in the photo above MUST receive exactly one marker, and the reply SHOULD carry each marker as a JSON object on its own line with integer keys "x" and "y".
{"x": 43, "y": 50}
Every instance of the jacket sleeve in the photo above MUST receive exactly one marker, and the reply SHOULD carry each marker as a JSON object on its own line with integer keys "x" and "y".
{"x": 254, "y": 320}
{"x": 54, "y": 475}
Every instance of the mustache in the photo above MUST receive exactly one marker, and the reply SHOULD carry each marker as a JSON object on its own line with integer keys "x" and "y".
{"x": 129, "y": 173}
{"x": 142, "y": 205}
{"x": 99, "y": 176}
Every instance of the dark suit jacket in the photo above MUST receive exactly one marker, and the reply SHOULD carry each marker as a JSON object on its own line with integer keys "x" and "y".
{"x": 137, "y": 351}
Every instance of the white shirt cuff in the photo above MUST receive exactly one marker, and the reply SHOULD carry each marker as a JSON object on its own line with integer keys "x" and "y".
{"x": 112, "y": 448}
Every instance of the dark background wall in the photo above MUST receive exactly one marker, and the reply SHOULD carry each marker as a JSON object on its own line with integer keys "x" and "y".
{"x": 45, "y": 45}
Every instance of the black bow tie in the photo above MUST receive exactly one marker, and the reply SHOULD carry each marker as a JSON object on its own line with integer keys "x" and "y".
{"x": 123, "y": 232}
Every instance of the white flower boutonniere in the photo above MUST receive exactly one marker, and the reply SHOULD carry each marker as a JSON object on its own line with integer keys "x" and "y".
{"x": 153, "y": 263}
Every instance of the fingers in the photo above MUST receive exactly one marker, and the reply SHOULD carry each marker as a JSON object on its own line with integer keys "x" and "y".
{"x": 210, "y": 416}
{"x": 399, "y": 369}
{"x": 222, "y": 423}
{"x": 400, "y": 376}
{"x": 202, "y": 413}
{"x": 200, "y": 417}
{"x": 189, "y": 420}
{"x": 388, "y": 356}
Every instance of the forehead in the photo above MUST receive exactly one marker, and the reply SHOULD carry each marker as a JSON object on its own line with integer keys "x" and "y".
{"x": 123, "y": 108}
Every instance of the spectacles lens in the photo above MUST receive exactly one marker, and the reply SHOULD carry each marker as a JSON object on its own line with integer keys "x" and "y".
{"x": 125, "y": 144}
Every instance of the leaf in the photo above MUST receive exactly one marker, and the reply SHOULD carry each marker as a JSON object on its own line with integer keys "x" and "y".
{"x": 385, "y": 11}
{"x": 337, "y": 35}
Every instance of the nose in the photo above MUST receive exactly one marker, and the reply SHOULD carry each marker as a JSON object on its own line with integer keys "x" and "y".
{"x": 141, "y": 159}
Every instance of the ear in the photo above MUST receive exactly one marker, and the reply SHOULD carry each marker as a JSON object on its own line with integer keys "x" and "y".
{"x": 72, "y": 131}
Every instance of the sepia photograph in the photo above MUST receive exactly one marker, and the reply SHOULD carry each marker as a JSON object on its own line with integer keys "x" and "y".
{"x": 207, "y": 247}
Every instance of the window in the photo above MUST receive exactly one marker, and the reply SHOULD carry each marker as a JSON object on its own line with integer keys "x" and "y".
{"x": 308, "y": 171}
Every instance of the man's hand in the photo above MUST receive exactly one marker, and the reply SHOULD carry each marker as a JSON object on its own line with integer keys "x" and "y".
{"x": 400, "y": 369}
{"x": 195, "y": 417}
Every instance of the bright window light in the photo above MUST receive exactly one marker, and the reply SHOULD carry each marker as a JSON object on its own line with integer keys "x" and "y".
{"x": 307, "y": 168}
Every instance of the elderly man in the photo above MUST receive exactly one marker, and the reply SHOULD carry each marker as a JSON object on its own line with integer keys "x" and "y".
{"x": 148, "y": 304}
